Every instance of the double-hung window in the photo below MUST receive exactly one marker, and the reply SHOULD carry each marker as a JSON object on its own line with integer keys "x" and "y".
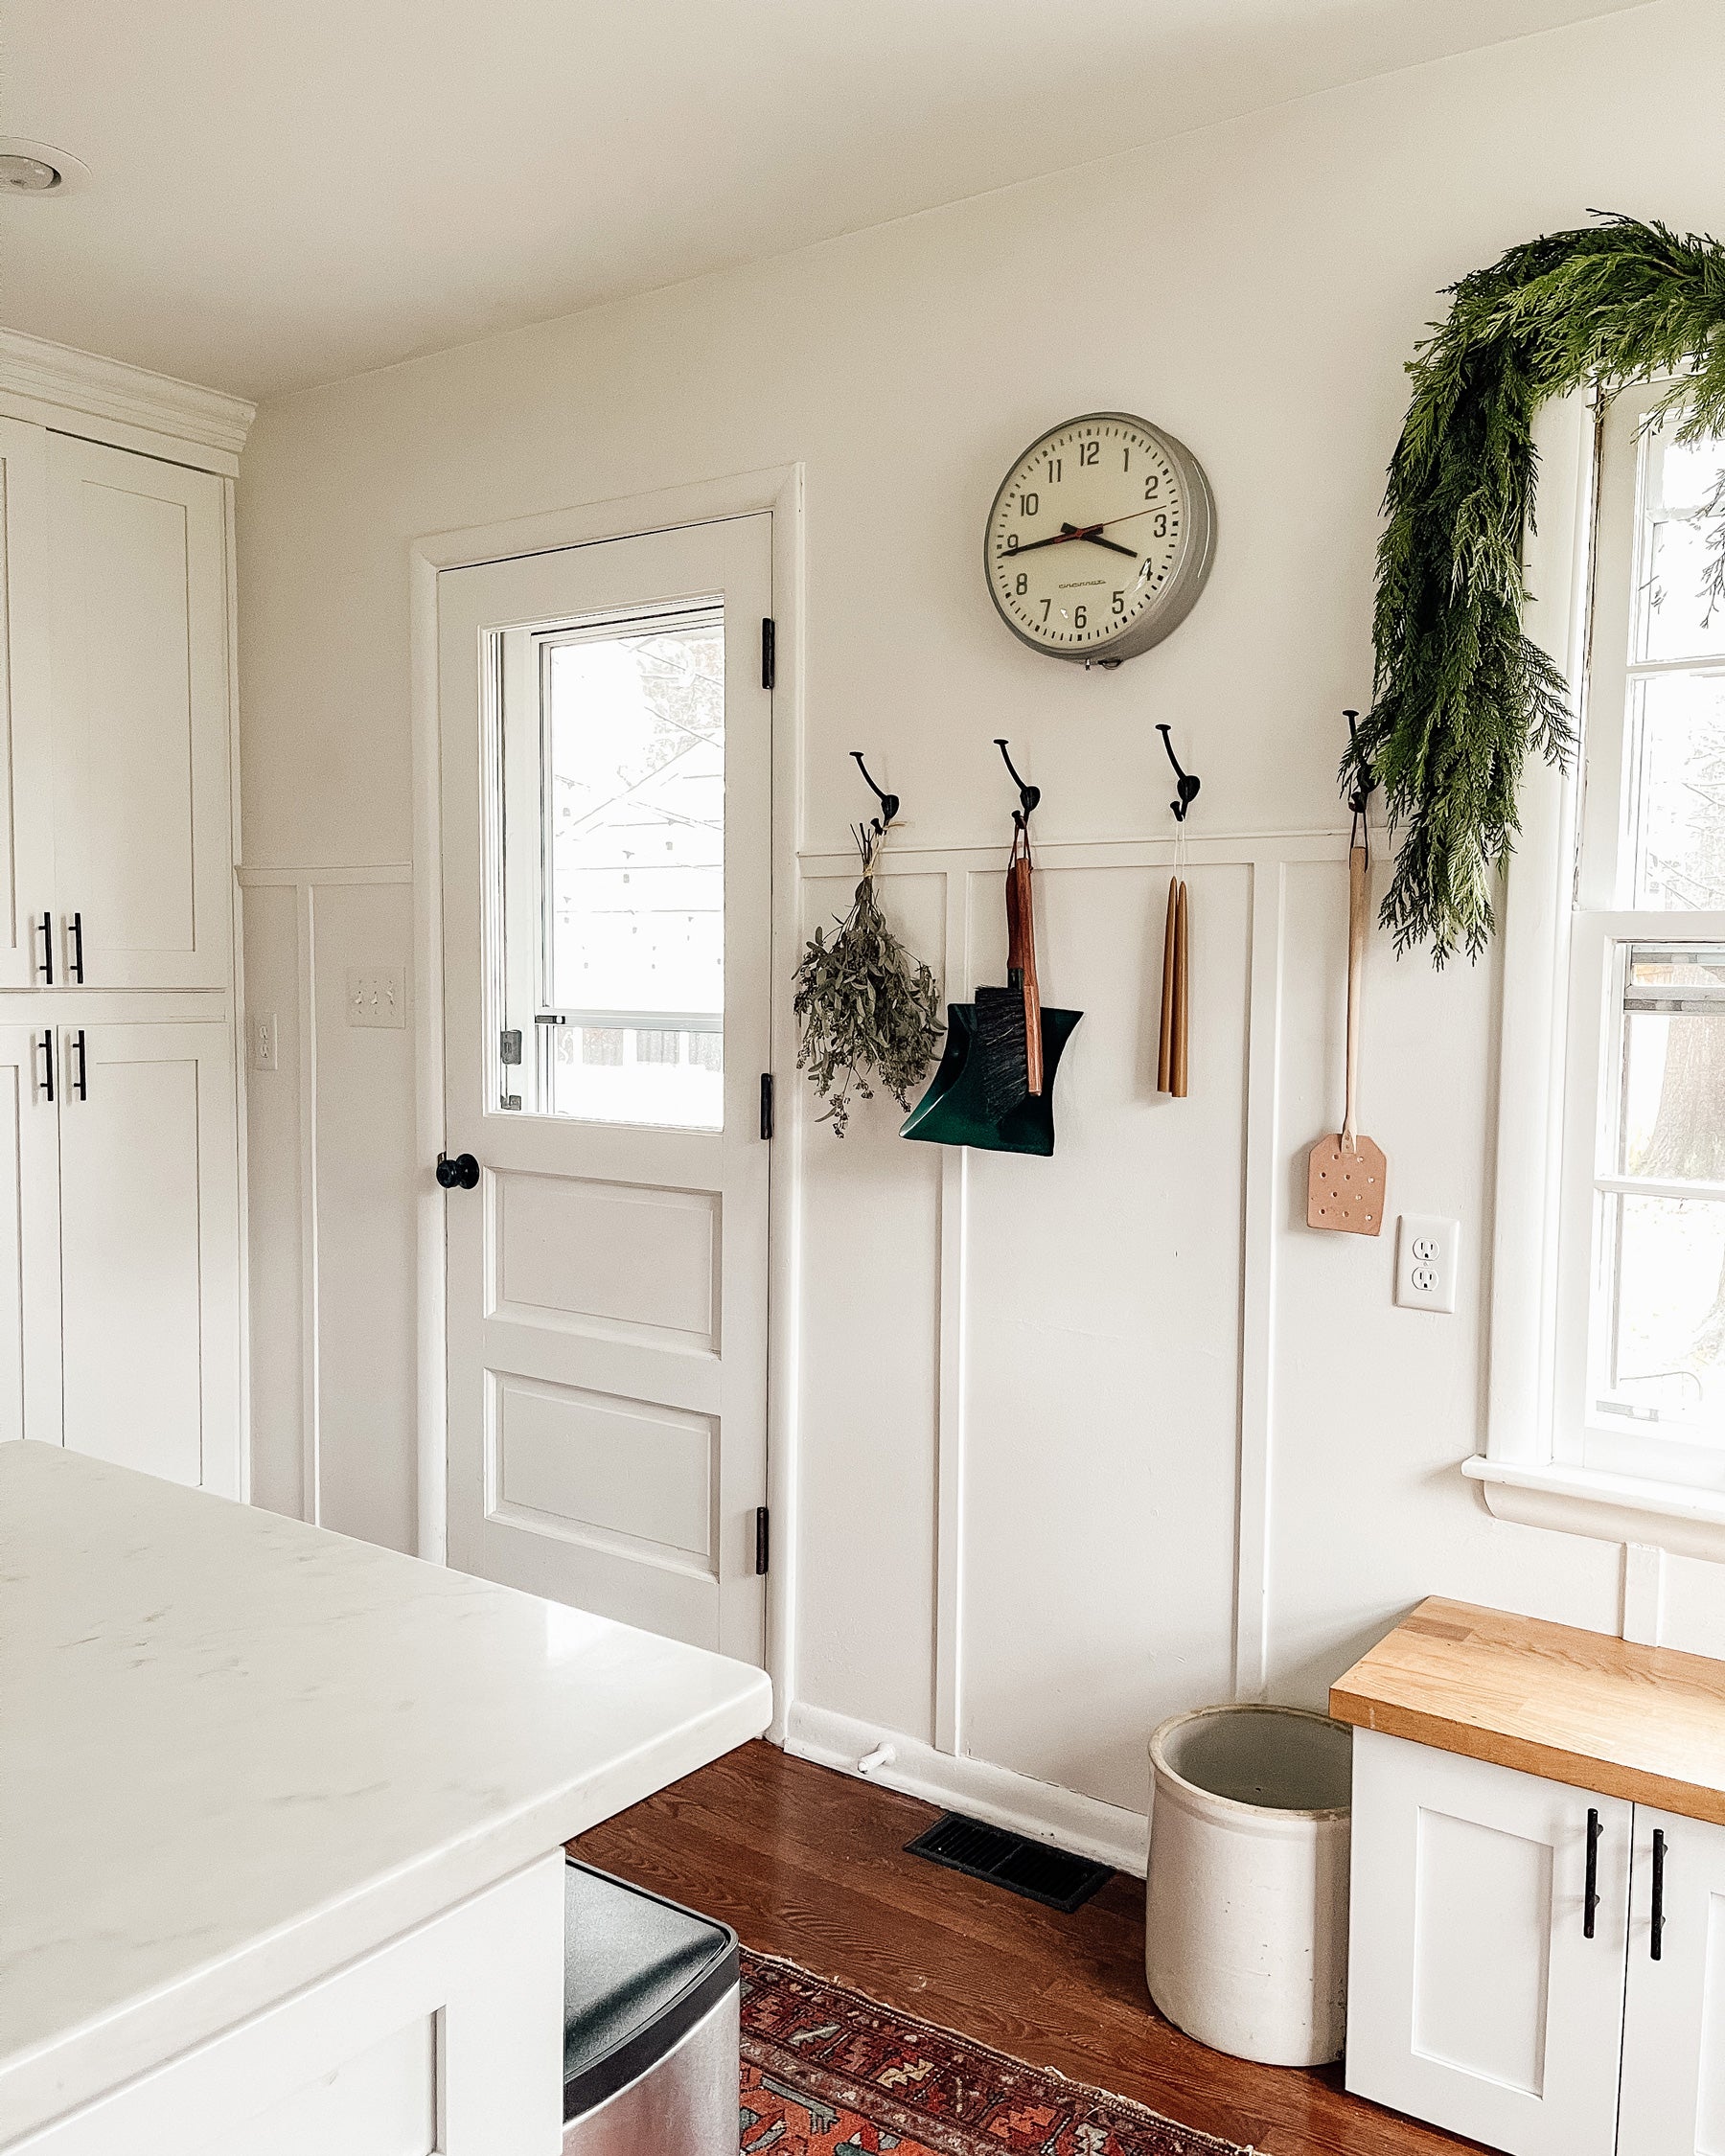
{"x": 1609, "y": 1308}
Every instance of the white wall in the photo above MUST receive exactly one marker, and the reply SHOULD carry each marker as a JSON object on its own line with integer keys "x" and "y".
{"x": 1255, "y": 287}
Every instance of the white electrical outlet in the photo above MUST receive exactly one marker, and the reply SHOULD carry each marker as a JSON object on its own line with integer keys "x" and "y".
{"x": 1428, "y": 1253}
{"x": 376, "y": 996}
{"x": 264, "y": 1040}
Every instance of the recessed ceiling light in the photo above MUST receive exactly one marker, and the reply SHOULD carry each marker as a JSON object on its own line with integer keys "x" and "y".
{"x": 38, "y": 168}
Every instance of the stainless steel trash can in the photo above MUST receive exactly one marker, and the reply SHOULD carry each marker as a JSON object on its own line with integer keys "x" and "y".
{"x": 651, "y": 2031}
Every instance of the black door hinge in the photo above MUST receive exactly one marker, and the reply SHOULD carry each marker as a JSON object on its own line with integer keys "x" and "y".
{"x": 768, "y": 653}
{"x": 766, "y": 1104}
{"x": 761, "y": 1540}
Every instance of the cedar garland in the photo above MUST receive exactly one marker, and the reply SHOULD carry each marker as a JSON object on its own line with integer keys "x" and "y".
{"x": 1460, "y": 696}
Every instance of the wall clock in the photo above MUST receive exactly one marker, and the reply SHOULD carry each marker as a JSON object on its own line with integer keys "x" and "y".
{"x": 1100, "y": 538}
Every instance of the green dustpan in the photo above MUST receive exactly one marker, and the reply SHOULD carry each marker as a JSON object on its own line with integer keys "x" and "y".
{"x": 953, "y": 1111}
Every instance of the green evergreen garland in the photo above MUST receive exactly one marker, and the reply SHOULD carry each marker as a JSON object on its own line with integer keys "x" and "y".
{"x": 1460, "y": 696}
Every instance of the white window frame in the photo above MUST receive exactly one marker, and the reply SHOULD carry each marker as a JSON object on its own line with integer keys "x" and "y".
{"x": 1564, "y": 926}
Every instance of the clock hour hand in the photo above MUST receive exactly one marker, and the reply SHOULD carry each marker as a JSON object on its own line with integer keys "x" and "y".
{"x": 1092, "y": 533}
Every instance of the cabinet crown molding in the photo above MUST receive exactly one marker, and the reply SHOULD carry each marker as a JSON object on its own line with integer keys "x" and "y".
{"x": 86, "y": 387}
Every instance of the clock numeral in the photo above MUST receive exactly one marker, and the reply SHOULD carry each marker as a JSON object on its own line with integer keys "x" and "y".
{"x": 1152, "y": 487}
{"x": 1158, "y": 524}
{"x": 1023, "y": 584}
{"x": 1125, "y": 460}
{"x": 1079, "y": 617}
{"x": 1029, "y": 504}
{"x": 1120, "y": 601}
{"x": 1044, "y": 609}
{"x": 1012, "y": 542}
{"x": 1089, "y": 451}
{"x": 1053, "y": 471}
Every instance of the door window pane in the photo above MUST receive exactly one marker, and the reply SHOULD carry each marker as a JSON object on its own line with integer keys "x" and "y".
{"x": 634, "y": 851}
{"x": 612, "y": 856}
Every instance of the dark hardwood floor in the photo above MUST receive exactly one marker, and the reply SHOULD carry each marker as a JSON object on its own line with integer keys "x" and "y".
{"x": 809, "y": 1864}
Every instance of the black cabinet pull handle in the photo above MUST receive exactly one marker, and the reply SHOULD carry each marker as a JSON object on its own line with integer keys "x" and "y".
{"x": 1657, "y": 1924}
{"x": 459, "y": 1174}
{"x": 82, "y": 1081}
{"x": 1592, "y": 1905}
{"x": 77, "y": 948}
{"x": 46, "y": 1045}
{"x": 45, "y": 930}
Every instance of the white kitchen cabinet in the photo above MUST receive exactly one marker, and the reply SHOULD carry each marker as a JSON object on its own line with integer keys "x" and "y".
{"x": 1672, "y": 2102}
{"x": 30, "y": 1271}
{"x": 27, "y": 894}
{"x": 143, "y": 820}
{"x": 148, "y": 1241}
{"x": 120, "y": 1257}
{"x": 1476, "y": 1997}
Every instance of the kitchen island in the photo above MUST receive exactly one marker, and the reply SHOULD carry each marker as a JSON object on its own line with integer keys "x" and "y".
{"x": 281, "y": 1824}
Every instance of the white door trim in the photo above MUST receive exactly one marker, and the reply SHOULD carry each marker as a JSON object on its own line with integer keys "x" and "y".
{"x": 780, "y": 491}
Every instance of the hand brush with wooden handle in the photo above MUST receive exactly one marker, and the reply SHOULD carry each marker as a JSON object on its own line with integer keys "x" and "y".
{"x": 1009, "y": 1019}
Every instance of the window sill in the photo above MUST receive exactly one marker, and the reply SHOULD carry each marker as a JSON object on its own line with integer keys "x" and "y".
{"x": 1580, "y": 1501}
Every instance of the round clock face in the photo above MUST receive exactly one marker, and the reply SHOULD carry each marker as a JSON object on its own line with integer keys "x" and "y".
{"x": 1100, "y": 538}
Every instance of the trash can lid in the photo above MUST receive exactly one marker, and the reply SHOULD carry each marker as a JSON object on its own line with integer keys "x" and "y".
{"x": 638, "y": 1974}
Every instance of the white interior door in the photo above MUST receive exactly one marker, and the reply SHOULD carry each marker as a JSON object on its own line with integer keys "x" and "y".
{"x": 1476, "y": 1997}
{"x": 30, "y": 1270}
{"x": 1674, "y": 2093}
{"x": 607, "y": 810}
{"x": 139, "y": 653}
{"x": 28, "y": 951}
{"x": 150, "y": 1253}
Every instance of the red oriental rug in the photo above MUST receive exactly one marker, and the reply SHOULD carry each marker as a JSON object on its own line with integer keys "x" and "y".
{"x": 826, "y": 2070}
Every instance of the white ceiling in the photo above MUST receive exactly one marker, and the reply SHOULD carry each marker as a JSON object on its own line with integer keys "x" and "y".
{"x": 283, "y": 191}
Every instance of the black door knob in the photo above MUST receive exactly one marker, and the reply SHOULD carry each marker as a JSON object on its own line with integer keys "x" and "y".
{"x": 460, "y": 1174}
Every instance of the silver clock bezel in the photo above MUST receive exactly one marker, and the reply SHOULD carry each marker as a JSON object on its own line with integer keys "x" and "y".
{"x": 1191, "y": 563}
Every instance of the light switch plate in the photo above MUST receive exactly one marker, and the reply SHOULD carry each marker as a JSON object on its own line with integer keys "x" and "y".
{"x": 1428, "y": 1255}
{"x": 376, "y": 996}
{"x": 262, "y": 1027}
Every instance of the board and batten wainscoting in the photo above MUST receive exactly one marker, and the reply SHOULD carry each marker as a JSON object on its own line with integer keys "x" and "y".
{"x": 333, "y": 1285}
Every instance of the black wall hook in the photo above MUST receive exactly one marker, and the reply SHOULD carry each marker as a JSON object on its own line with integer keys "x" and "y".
{"x": 1186, "y": 783}
{"x": 1028, "y": 796}
{"x": 889, "y": 802}
{"x": 1365, "y": 785}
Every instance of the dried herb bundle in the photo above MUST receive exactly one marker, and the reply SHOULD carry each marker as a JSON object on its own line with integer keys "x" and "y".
{"x": 864, "y": 1005}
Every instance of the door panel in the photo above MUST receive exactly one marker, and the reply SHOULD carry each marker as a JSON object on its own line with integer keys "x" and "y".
{"x": 1475, "y": 1999}
{"x": 30, "y": 1271}
{"x": 142, "y": 815}
{"x": 26, "y": 722}
{"x": 606, "y": 922}
{"x": 1673, "y": 2091}
{"x": 150, "y": 1250}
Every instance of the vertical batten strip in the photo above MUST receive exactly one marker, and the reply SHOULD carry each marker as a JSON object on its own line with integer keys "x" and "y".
{"x": 1258, "y": 1284}
{"x": 949, "y": 1523}
{"x": 310, "y": 1443}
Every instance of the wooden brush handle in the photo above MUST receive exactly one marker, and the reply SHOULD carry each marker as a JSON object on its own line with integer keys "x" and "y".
{"x": 1021, "y": 954}
{"x": 1358, "y": 903}
{"x": 1177, "y": 1077}
{"x": 1164, "y": 1040}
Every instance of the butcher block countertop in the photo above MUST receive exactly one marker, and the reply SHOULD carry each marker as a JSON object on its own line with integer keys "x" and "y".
{"x": 1645, "y": 1723}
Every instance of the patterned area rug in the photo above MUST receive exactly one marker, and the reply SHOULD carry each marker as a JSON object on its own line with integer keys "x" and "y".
{"x": 827, "y": 2070}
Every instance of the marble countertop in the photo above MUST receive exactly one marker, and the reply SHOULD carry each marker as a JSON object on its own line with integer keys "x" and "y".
{"x": 236, "y": 1751}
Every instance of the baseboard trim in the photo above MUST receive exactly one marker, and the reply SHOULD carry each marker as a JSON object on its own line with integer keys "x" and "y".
{"x": 1083, "y": 1824}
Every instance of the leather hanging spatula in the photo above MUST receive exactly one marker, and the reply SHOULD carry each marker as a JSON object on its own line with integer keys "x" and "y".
{"x": 1345, "y": 1176}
